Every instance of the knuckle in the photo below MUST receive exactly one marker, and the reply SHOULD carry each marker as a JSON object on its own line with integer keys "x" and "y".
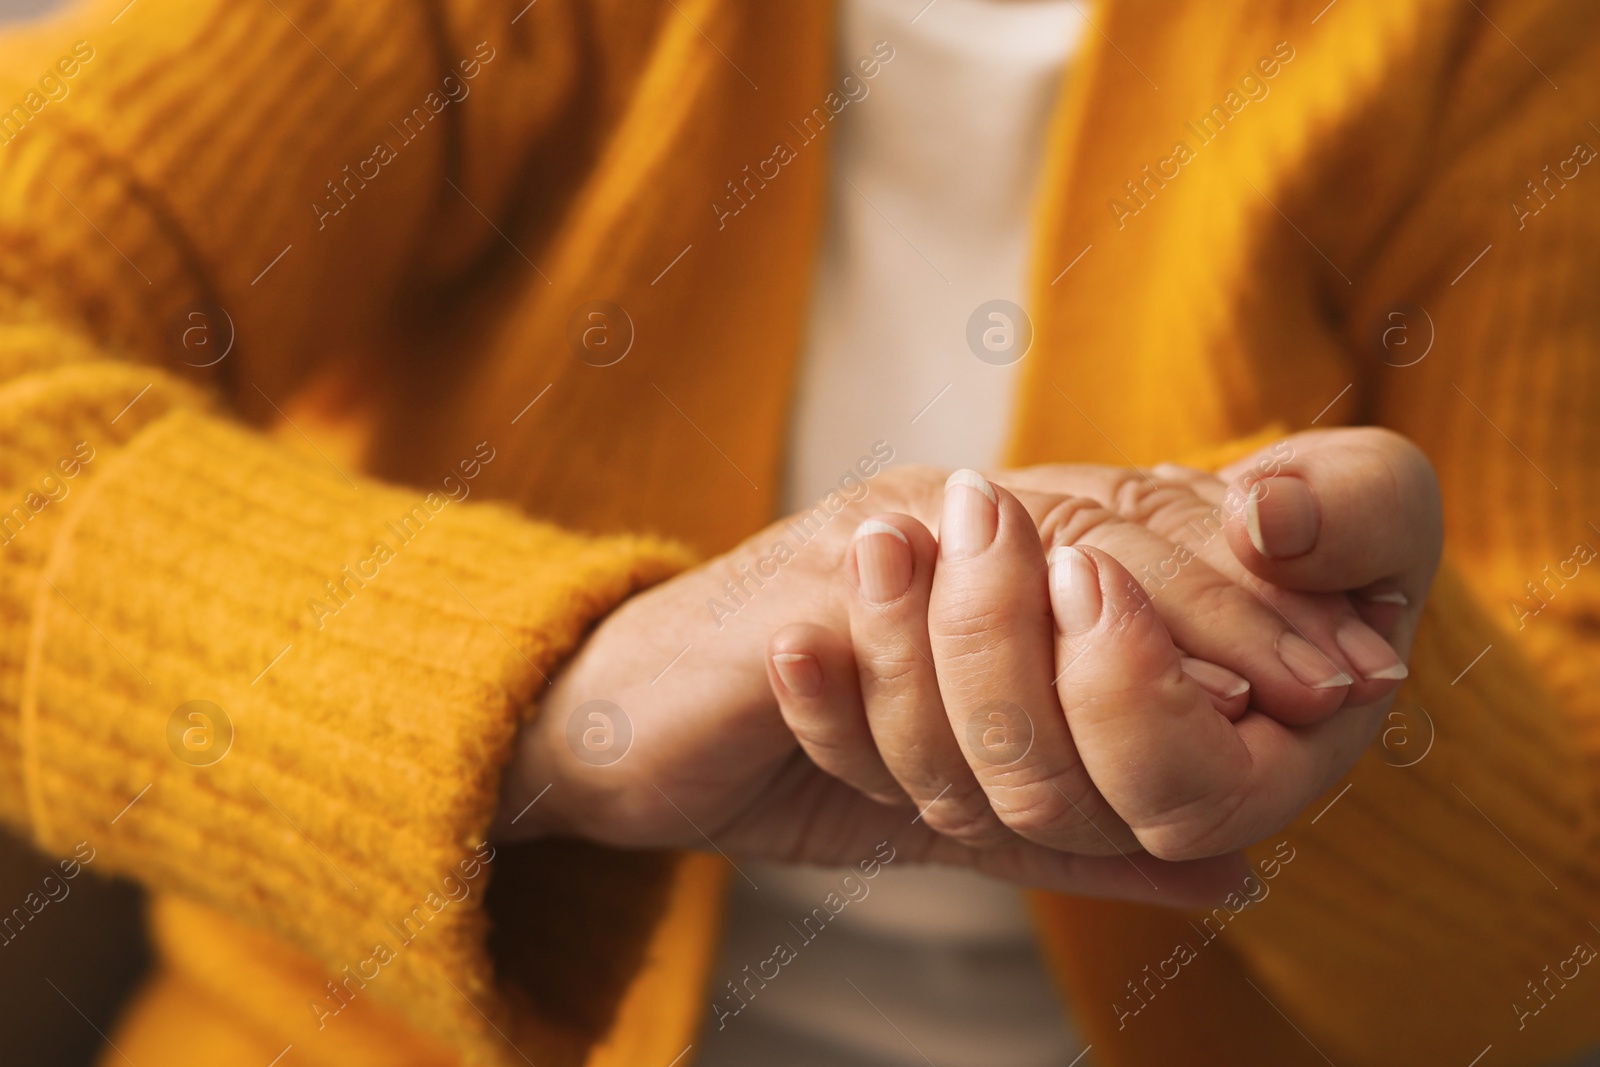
{"x": 1035, "y": 815}
{"x": 1055, "y": 831}
{"x": 1136, "y": 497}
{"x": 1167, "y": 508}
{"x": 974, "y": 621}
{"x": 1196, "y": 828}
{"x": 829, "y": 744}
{"x": 892, "y": 666}
{"x": 1049, "y": 816}
{"x": 966, "y": 819}
{"x": 1219, "y": 607}
{"x": 1072, "y": 518}
{"x": 1108, "y": 705}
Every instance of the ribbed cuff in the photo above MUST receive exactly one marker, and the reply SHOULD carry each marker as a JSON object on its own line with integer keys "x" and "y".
{"x": 368, "y": 649}
{"x": 58, "y": 428}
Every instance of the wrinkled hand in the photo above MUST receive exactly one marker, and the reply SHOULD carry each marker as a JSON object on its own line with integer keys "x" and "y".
{"x": 1070, "y": 716}
{"x": 711, "y": 762}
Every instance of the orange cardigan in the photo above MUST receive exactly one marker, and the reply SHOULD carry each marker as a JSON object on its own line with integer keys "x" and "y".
{"x": 375, "y": 222}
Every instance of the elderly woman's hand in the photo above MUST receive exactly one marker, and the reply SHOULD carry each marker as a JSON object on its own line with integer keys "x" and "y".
{"x": 698, "y": 752}
{"x": 1073, "y": 718}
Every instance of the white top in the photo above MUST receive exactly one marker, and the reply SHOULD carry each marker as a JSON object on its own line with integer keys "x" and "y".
{"x": 931, "y": 210}
{"x": 931, "y": 199}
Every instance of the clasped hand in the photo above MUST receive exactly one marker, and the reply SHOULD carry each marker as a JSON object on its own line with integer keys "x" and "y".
{"x": 1097, "y": 680}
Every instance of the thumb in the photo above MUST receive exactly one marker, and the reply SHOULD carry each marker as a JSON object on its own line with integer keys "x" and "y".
{"x": 1333, "y": 510}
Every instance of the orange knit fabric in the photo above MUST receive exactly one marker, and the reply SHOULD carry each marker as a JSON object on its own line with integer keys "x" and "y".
{"x": 393, "y": 210}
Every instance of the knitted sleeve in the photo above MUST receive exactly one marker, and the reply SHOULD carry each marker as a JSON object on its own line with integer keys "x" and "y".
{"x": 228, "y": 670}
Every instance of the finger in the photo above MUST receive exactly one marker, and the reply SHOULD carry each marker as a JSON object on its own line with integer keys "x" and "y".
{"x": 845, "y": 827}
{"x": 1204, "y": 785}
{"x": 990, "y": 630}
{"x": 891, "y": 564}
{"x": 1135, "y": 876}
{"x": 1229, "y": 692}
{"x": 1212, "y": 617}
{"x": 1380, "y": 604}
{"x": 813, "y": 675}
{"x": 1341, "y": 509}
{"x": 1191, "y": 510}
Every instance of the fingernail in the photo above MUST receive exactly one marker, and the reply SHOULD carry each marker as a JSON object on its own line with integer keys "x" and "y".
{"x": 1074, "y": 589}
{"x": 799, "y": 673}
{"x": 1219, "y": 681}
{"x": 1310, "y": 666}
{"x": 1282, "y": 517}
{"x": 1393, "y": 596}
{"x": 1368, "y": 652}
{"x": 971, "y": 514}
{"x": 883, "y": 562}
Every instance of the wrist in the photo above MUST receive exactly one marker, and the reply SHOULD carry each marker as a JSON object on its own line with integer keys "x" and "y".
{"x": 659, "y": 660}
{"x": 524, "y": 812}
